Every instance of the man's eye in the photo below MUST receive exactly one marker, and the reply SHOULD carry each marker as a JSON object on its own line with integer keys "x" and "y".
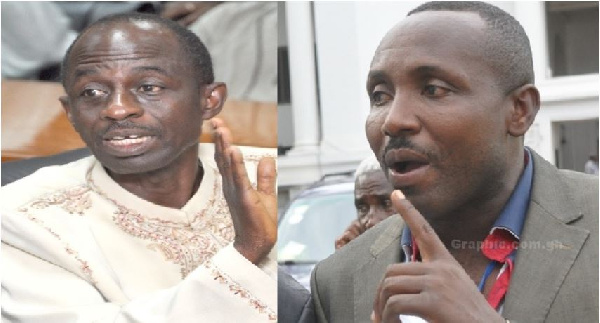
{"x": 362, "y": 209}
{"x": 149, "y": 88}
{"x": 379, "y": 98}
{"x": 435, "y": 91}
{"x": 388, "y": 204}
{"x": 92, "y": 92}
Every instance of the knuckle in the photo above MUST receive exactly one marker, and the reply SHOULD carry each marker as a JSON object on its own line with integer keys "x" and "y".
{"x": 390, "y": 269}
{"x": 393, "y": 306}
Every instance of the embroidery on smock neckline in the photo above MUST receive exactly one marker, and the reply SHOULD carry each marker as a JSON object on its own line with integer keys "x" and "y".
{"x": 186, "y": 244}
{"x": 83, "y": 265}
{"x": 237, "y": 289}
{"x": 74, "y": 200}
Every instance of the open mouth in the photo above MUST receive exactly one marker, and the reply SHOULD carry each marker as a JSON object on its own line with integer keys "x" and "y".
{"x": 405, "y": 167}
{"x": 127, "y": 140}
{"x": 128, "y": 144}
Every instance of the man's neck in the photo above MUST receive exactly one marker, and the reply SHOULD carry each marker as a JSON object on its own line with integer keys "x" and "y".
{"x": 171, "y": 186}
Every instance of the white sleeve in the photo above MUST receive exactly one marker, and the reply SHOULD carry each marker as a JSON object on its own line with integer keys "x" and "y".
{"x": 228, "y": 288}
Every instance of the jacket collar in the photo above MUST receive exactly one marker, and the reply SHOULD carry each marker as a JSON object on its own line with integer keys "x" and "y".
{"x": 549, "y": 246}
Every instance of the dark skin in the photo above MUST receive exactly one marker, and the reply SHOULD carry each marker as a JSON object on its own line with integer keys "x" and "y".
{"x": 372, "y": 200}
{"x": 450, "y": 139}
{"x": 353, "y": 230}
{"x": 138, "y": 106}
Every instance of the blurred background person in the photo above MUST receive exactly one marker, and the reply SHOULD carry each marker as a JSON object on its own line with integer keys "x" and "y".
{"x": 36, "y": 35}
{"x": 241, "y": 38}
{"x": 371, "y": 198}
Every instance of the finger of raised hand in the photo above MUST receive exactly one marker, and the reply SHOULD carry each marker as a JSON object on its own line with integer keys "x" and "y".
{"x": 173, "y": 10}
{"x": 238, "y": 169}
{"x": 190, "y": 18}
{"x": 220, "y": 138}
{"x": 350, "y": 235}
{"x": 408, "y": 268}
{"x": 266, "y": 183}
{"x": 353, "y": 231}
{"x": 409, "y": 284}
{"x": 405, "y": 304}
{"x": 226, "y": 137}
{"x": 340, "y": 242}
{"x": 266, "y": 176}
{"x": 357, "y": 227}
{"x": 399, "y": 279}
{"x": 430, "y": 245}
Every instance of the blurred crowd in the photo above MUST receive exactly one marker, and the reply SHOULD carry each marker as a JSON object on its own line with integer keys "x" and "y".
{"x": 240, "y": 36}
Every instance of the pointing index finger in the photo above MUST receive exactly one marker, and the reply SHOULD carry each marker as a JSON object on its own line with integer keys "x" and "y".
{"x": 430, "y": 245}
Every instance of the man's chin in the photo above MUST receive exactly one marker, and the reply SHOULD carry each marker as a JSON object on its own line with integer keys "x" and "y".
{"x": 421, "y": 202}
{"x": 128, "y": 165}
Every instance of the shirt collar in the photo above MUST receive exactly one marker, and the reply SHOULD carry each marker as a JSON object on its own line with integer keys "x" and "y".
{"x": 512, "y": 216}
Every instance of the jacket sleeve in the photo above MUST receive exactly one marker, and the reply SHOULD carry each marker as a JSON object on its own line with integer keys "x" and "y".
{"x": 316, "y": 297}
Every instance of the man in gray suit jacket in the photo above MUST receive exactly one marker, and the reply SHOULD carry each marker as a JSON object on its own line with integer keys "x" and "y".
{"x": 489, "y": 231}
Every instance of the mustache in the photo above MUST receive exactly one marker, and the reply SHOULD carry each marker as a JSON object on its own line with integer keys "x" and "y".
{"x": 128, "y": 124}
{"x": 404, "y": 142}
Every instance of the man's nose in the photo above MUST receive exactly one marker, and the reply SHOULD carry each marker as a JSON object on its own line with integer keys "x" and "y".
{"x": 371, "y": 218}
{"x": 370, "y": 223}
{"x": 376, "y": 214}
{"x": 402, "y": 116}
{"x": 122, "y": 106}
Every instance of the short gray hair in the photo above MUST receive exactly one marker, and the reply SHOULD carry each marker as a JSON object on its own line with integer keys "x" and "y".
{"x": 368, "y": 165}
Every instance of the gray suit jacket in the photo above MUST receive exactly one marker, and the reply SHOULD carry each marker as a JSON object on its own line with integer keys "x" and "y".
{"x": 556, "y": 273}
{"x": 294, "y": 303}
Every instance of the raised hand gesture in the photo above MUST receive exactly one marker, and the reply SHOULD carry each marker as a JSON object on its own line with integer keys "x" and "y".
{"x": 437, "y": 289}
{"x": 253, "y": 211}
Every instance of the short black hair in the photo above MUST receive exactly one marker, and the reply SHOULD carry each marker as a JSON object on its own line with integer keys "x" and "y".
{"x": 506, "y": 45}
{"x": 189, "y": 42}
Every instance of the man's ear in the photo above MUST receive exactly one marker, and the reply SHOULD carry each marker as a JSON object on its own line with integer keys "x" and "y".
{"x": 64, "y": 101}
{"x": 215, "y": 95}
{"x": 525, "y": 106}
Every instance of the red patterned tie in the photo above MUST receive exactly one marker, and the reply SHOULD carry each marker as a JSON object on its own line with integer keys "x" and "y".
{"x": 498, "y": 246}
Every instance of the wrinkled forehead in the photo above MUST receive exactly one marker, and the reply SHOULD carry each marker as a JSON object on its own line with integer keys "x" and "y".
{"x": 373, "y": 179}
{"x": 123, "y": 38}
{"x": 440, "y": 31}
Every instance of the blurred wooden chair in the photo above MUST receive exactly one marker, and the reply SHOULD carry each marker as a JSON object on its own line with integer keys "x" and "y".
{"x": 34, "y": 123}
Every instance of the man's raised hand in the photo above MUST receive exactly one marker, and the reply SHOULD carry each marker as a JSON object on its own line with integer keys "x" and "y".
{"x": 437, "y": 289}
{"x": 352, "y": 232}
{"x": 253, "y": 211}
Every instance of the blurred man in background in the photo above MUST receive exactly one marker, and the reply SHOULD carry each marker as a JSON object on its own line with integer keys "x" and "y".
{"x": 372, "y": 200}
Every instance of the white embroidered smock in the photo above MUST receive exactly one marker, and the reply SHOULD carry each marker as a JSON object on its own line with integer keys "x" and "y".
{"x": 77, "y": 247}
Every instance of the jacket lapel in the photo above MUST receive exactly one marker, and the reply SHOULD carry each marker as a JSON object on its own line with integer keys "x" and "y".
{"x": 384, "y": 251}
{"x": 549, "y": 246}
